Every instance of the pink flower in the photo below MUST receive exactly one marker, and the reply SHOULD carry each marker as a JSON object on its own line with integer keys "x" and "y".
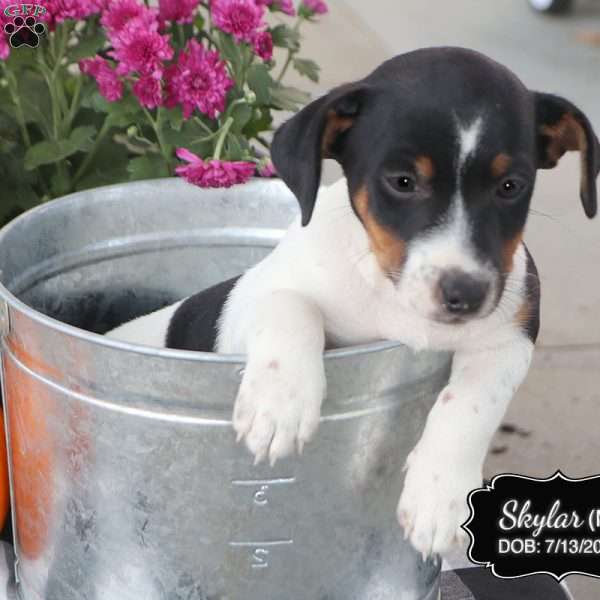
{"x": 109, "y": 84}
{"x": 120, "y": 13}
{"x": 63, "y": 10}
{"x": 285, "y": 6}
{"x": 148, "y": 91}
{"x": 140, "y": 49}
{"x": 263, "y": 45}
{"x": 198, "y": 80}
{"x": 318, "y": 7}
{"x": 4, "y": 47}
{"x": 266, "y": 168}
{"x": 212, "y": 173}
{"x": 240, "y": 18}
{"x": 177, "y": 11}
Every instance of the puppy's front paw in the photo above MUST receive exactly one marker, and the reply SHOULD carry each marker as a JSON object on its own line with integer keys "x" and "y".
{"x": 278, "y": 406}
{"x": 433, "y": 504}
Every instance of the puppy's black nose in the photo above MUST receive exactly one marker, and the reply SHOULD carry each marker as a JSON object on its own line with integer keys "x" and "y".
{"x": 461, "y": 293}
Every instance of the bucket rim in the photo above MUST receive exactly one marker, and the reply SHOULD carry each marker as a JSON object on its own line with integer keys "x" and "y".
{"x": 171, "y": 353}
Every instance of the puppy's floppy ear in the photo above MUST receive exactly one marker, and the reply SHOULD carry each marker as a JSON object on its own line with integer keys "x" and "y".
{"x": 314, "y": 133}
{"x": 561, "y": 126}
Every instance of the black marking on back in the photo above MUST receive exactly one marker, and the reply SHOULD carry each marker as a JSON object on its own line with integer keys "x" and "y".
{"x": 194, "y": 324}
{"x": 532, "y": 294}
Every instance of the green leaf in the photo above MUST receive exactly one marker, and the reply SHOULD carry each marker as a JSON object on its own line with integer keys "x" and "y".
{"x": 9, "y": 134}
{"x": 120, "y": 114}
{"x": 188, "y": 136}
{"x": 236, "y": 148}
{"x": 149, "y": 166}
{"x": 88, "y": 46}
{"x": 261, "y": 83}
{"x": 304, "y": 12}
{"x": 35, "y": 99}
{"x": 289, "y": 98}
{"x": 241, "y": 113}
{"x": 199, "y": 22}
{"x": 261, "y": 121}
{"x": 286, "y": 37}
{"x": 21, "y": 57}
{"x": 174, "y": 117}
{"x": 47, "y": 152}
{"x": 17, "y": 192}
{"x": 109, "y": 166}
{"x": 230, "y": 50}
{"x": 308, "y": 68}
{"x": 60, "y": 183}
{"x": 81, "y": 137}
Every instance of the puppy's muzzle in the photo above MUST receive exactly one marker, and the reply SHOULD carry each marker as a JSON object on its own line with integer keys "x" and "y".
{"x": 461, "y": 294}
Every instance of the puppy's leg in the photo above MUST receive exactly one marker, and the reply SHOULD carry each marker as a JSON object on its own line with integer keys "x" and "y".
{"x": 279, "y": 400}
{"x": 447, "y": 462}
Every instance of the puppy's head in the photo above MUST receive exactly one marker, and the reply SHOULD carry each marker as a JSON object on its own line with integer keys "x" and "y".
{"x": 440, "y": 148}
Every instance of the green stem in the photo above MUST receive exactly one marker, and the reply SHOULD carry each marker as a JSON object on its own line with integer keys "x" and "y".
{"x": 221, "y": 141}
{"x": 63, "y": 32}
{"x": 291, "y": 53}
{"x": 74, "y": 102}
{"x": 157, "y": 126}
{"x": 181, "y": 35}
{"x": 13, "y": 89}
{"x": 263, "y": 142}
{"x": 89, "y": 157}
{"x": 204, "y": 126}
{"x": 47, "y": 74}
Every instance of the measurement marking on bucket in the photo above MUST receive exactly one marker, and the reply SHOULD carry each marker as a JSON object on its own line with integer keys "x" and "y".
{"x": 260, "y": 497}
{"x": 259, "y": 557}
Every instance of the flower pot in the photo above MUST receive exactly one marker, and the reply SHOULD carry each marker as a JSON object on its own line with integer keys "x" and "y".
{"x": 126, "y": 476}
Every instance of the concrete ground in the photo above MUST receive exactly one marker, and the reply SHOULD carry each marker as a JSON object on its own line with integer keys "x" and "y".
{"x": 557, "y": 408}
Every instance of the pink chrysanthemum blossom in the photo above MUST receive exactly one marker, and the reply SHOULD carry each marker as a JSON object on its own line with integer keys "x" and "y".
{"x": 120, "y": 13}
{"x": 139, "y": 49}
{"x": 64, "y": 10}
{"x": 177, "y": 11}
{"x": 263, "y": 45}
{"x": 318, "y": 7}
{"x": 240, "y": 18}
{"x": 266, "y": 168}
{"x": 101, "y": 4}
{"x": 198, "y": 80}
{"x": 285, "y": 6}
{"x": 148, "y": 91}
{"x": 109, "y": 84}
{"x": 4, "y": 47}
{"x": 213, "y": 173}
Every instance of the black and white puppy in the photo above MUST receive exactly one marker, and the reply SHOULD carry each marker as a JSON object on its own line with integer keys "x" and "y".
{"x": 420, "y": 243}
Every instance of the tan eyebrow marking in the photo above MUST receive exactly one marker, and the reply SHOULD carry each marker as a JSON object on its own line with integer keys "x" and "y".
{"x": 424, "y": 167}
{"x": 501, "y": 164}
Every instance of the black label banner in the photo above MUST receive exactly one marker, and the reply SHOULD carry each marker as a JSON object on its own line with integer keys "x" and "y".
{"x": 522, "y": 526}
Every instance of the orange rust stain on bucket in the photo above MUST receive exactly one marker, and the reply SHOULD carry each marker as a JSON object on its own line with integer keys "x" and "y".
{"x": 32, "y": 453}
{"x": 4, "y": 489}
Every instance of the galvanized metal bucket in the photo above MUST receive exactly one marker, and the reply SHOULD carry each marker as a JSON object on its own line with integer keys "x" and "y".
{"x": 126, "y": 480}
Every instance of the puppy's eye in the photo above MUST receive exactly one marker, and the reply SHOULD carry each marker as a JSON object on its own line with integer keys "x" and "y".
{"x": 404, "y": 184}
{"x": 510, "y": 188}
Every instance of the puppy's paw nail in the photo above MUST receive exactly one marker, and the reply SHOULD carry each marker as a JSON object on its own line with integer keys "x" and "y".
{"x": 259, "y": 457}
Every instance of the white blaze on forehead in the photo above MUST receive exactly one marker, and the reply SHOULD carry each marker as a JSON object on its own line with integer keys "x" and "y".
{"x": 468, "y": 138}
{"x": 457, "y": 222}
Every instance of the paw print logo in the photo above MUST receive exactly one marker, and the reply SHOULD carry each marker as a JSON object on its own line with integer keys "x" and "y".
{"x": 24, "y": 32}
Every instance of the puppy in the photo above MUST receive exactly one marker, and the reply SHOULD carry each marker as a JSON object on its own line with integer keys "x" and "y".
{"x": 421, "y": 242}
